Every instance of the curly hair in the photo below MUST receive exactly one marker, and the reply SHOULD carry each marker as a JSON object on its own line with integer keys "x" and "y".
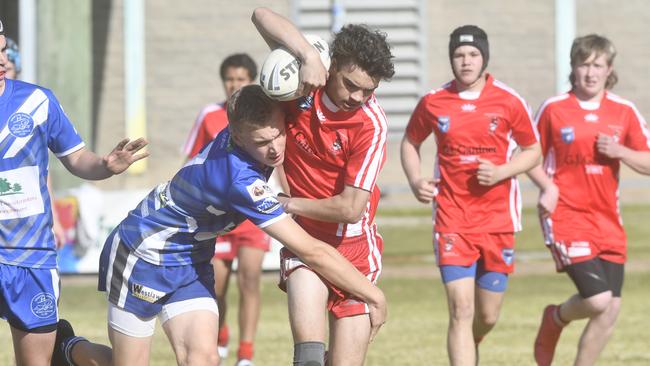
{"x": 368, "y": 49}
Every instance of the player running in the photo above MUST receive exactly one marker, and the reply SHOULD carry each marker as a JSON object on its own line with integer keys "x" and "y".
{"x": 478, "y": 122}
{"x": 585, "y": 135}
{"x": 336, "y": 146}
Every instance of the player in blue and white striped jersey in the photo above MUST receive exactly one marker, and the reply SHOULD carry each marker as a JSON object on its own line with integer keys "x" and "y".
{"x": 31, "y": 122}
{"x": 156, "y": 263}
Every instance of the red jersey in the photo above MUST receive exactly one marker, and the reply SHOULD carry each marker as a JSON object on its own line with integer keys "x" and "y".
{"x": 327, "y": 149}
{"x": 468, "y": 126}
{"x": 588, "y": 181}
{"x": 212, "y": 119}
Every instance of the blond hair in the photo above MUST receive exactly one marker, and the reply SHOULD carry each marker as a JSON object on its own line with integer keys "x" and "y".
{"x": 593, "y": 44}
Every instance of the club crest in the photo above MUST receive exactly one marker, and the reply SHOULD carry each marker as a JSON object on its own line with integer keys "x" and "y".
{"x": 568, "y": 135}
{"x": 443, "y": 123}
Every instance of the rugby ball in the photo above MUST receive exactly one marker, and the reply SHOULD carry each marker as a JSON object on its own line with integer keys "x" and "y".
{"x": 280, "y": 75}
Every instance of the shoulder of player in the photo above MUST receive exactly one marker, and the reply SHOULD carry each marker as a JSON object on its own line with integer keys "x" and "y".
{"x": 30, "y": 90}
{"x": 212, "y": 109}
{"x": 506, "y": 91}
{"x": 614, "y": 98}
{"x": 552, "y": 103}
{"x": 373, "y": 115}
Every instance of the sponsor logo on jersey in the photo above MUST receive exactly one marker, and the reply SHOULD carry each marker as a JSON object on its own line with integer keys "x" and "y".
{"x": 20, "y": 124}
{"x": 8, "y": 188}
{"x": 449, "y": 149}
{"x": 594, "y": 169}
{"x": 468, "y": 107}
{"x": 259, "y": 190}
{"x": 567, "y": 134}
{"x": 43, "y": 305}
{"x": 145, "y": 293}
{"x": 268, "y": 205}
{"x": 591, "y": 117}
{"x": 508, "y": 255}
{"x": 306, "y": 102}
{"x": 443, "y": 123}
{"x": 301, "y": 140}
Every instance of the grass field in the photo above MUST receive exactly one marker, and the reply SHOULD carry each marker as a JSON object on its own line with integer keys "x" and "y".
{"x": 416, "y": 330}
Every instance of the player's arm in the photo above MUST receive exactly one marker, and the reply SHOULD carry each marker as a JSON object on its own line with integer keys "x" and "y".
{"x": 346, "y": 207}
{"x": 424, "y": 189}
{"x": 330, "y": 264}
{"x": 87, "y": 165}
{"x": 637, "y": 160}
{"x": 489, "y": 173}
{"x": 279, "y": 31}
{"x": 549, "y": 192}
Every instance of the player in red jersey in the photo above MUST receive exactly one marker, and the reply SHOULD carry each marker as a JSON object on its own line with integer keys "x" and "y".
{"x": 247, "y": 243}
{"x": 336, "y": 146}
{"x": 586, "y": 134}
{"x": 478, "y": 122}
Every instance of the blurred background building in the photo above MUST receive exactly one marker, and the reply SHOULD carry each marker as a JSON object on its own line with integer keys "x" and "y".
{"x": 171, "y": 50}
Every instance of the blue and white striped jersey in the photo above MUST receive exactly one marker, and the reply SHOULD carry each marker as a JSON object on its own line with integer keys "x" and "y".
{"x": 177, "y": 222}
{"x": 31, "y": 121}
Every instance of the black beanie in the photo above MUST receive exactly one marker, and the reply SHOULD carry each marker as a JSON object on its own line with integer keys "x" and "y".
{"x": 473, "y": 36}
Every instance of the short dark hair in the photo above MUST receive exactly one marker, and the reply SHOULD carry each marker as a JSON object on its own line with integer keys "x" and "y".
{"x": 239, "y": 60}
{"x": 357, "y": 44}
{"x": 250, "y": 106}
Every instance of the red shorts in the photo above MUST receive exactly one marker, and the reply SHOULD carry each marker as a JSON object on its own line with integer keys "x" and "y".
{"x": 496, "y": 250}
{"x": 577, "y": 241}
{"x": 579, "y": 246}
{"x": 363, "y": 252}
{"x": 245, "y": 235}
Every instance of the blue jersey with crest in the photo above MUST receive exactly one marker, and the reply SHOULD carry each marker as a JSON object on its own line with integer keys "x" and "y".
{"x": 31, "y": 122}
{"x": 177, "y": 222}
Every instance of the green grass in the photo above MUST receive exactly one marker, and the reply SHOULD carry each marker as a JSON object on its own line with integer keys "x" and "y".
{"x": 416, "y": 330}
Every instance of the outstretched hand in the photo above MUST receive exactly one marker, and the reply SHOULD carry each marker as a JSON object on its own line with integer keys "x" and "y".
{"x": 124, "y": 154}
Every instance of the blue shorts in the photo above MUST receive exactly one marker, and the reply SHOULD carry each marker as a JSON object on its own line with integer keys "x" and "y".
{"x": 491, "y": 281}
{"x": 142, "y": 288}
{"x": 29, "y": 296}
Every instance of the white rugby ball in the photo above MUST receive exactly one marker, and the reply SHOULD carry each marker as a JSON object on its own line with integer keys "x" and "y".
{"x": 280, "y": 75}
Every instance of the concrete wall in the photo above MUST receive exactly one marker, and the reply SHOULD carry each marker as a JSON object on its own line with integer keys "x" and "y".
{"x": 185, "y": 45}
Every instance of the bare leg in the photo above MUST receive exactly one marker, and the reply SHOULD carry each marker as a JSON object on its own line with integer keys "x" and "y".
{"x": 32, "y": 349}
{"x": 128, "y": 350}
{"x": 596, "y": 334}
{"x": 349, "y": 339}
{"x": 488, "y": 308}
{"x": 460, "y": 340}
{"x": 307, "y": 300}
{"x": 193, "y": 336}
{"x": 85, "y": 353}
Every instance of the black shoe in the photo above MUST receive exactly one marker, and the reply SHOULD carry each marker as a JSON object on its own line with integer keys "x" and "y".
{"x": 64, "y": 331}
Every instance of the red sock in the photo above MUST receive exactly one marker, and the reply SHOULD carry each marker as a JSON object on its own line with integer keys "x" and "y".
{"x": 245, "y": 350}
{"x": 223, "y": 336}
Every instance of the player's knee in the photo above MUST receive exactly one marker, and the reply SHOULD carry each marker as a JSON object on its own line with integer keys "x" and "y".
{"x": 461, "y": 311}
{"x": 203, "y": 355}
{"x": 248, "y": 282}
{"x": 599, "y": 303}
{"x": 309, "y": 354}
{"x": 487, "y": 318}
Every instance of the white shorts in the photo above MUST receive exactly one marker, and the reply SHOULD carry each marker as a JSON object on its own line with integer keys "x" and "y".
{"x": 135, "y": 326}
